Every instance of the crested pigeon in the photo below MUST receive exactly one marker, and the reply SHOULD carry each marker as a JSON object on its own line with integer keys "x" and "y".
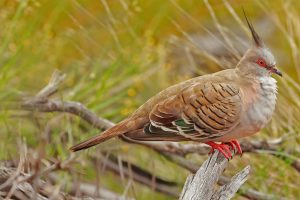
{"x": 216, "y": 109}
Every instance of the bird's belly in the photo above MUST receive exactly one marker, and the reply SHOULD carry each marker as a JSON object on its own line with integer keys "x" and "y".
{"x": 260, "y": 113}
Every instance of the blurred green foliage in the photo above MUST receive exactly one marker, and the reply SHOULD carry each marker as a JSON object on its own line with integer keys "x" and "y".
{"x": 114, "y": 55}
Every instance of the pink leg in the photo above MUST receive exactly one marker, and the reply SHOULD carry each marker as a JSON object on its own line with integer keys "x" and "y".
{"x": 223, "y": 148}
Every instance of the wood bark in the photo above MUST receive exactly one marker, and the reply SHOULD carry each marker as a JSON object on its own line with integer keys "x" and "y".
{"x": 203, "y": 184}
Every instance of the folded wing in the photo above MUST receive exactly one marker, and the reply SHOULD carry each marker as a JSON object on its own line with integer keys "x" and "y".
{"x": 199, "y": 112}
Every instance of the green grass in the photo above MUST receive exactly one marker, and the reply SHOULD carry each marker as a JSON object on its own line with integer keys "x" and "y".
{"x": 116, "y": 56}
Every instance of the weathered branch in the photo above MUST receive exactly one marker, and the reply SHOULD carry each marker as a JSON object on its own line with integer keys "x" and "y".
{"x": 202, "y": 184}
{"x": 52, "y": 86}
{"x": 228, "y": 190}
{"x": 74, "y": 108}
{"x": 223, "y": 180}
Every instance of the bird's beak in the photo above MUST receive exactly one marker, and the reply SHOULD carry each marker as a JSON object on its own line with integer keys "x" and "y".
{"x": 276, "y": 71}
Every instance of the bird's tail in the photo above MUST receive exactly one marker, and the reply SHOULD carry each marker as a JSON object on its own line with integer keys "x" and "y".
{"x": 117, "y": 130}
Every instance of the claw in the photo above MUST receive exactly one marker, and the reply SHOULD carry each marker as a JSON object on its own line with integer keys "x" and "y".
{"x": 226, "y": 147}
{"x": 231, "y": 144}
{"x": 223, "y": 148}
{"x": 237, "y": 144}
{"x": 234, "y": 144}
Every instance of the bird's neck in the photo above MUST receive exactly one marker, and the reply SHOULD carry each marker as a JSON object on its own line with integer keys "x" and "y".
{"x": 255, "y": 74}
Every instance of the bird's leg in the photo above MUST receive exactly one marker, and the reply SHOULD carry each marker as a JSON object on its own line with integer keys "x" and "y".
{"x": 223, "y": 148}
{"x": 235, "y": 145}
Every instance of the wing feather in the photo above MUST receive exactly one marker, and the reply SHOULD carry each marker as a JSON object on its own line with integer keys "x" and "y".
{"x": 199, "y": 112}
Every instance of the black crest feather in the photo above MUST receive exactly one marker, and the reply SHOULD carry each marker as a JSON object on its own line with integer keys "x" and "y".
{"x": 258, "y": 41}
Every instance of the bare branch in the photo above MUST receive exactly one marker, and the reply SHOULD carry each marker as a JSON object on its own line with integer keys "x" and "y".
{"x": 74, "y": 108}
{"x": 228, "y": 190}
{"x": 202, "y": 184}
{"x": 52, "y": 87}
{"x": 245, "y": 192}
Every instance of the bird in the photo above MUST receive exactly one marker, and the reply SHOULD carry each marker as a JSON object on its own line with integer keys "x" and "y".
{"x": 216, "y": 109}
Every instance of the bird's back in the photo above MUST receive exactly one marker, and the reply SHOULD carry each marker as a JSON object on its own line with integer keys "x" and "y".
{"x": 224, "y": 76}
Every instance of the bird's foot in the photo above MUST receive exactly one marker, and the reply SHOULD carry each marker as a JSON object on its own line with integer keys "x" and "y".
{"x": 223, "y": 148}
{"x": 235, "y": 145}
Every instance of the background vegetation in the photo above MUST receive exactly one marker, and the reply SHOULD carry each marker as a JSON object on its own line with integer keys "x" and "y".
{"x": 117, "y": 54}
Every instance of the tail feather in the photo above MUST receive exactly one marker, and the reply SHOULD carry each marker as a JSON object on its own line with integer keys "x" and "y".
{"x": 140, "y": 135}
{"x": 106, "y": 135}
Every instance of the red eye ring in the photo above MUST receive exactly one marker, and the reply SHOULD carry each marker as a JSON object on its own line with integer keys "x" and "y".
{"x": 261, "y": 62}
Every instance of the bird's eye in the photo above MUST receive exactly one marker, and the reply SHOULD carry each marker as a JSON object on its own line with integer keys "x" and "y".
{"x": 261, "y": 62}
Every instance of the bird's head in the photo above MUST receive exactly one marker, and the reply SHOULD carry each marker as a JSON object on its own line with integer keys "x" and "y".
{"x": 258, "y": 61}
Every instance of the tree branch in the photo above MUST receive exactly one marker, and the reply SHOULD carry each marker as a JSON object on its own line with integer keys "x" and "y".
{"x": 202, "y": 184}
{"x": 76, "y": 108}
